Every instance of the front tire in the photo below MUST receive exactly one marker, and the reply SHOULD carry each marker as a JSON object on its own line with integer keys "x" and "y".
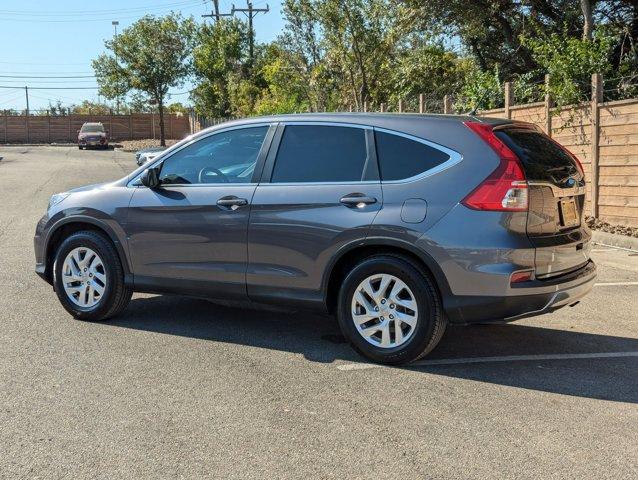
{"x": 390, "y": 311}
{"x": 88, "y": 277}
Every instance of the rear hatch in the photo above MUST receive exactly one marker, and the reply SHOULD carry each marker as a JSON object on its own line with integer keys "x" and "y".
{"x": 556, "y": 199}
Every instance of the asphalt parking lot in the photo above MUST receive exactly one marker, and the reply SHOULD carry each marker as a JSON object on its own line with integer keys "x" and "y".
{"x": 179, "y": 387}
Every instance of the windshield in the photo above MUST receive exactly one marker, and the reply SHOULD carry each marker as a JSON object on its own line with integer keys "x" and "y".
{"x": 92, "y": 128}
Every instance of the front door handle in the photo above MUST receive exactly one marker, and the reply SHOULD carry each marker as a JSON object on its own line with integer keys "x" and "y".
{"x": 232, "y": 202}
{"x": 358, "y": 200}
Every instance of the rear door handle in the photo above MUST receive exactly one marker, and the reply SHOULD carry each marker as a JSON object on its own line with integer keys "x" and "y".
{"x": 357, "y": 200}
{"x": 232, "y": 202}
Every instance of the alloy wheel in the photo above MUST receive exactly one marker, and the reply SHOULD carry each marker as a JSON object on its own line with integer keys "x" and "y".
{"x": 384, "y": 310}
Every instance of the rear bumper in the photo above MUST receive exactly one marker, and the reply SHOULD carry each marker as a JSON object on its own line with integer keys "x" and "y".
{"x": 533, "y": 298}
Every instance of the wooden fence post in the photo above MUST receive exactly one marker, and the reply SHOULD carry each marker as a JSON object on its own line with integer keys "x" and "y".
{"x": 49, "y": 127}
{"x": 70, "y": 128}
{"x": 548, "y": 108}
{"x": 6, "y": 127}
{"x": 508, "y": 99}
{"x": 421, "y": 103}
{"x": 596, "y": 98}
{"x": 447, "y": 104}
{"x": 400, "y": 105}
{"x": 130, "y": 125}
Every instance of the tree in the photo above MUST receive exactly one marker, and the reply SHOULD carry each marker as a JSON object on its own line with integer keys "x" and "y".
{"x": 88, "y": 107}
{"x": 153, "y": 55}
{"x": 219, "y": 60}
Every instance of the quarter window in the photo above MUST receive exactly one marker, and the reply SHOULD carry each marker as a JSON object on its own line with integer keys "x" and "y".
{"x": 401, "y": 158}
{"x": 318, "y": 153}
{"x": 226, "y": 157}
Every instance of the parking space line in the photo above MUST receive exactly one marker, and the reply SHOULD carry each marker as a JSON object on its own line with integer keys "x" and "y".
{"x": 506, "y": 358}
{"x": 611, "y": 284}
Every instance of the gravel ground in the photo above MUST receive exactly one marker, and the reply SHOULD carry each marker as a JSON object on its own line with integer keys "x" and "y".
{"x": 597, "y": 224}
{"x": 182, "y": 388}
{"x": 135, "y": 145}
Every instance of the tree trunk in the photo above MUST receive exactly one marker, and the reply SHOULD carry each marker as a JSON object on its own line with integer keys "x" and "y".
{"x": 160, "y": 108}
{"x": 585, "y": 6}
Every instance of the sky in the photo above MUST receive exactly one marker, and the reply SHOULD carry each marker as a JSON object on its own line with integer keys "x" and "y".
{"x": 60, "y": 38}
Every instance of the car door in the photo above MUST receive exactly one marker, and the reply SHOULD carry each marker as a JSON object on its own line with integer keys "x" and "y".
{"x": 189, "y": 234}
{"x": 319, "y": 193}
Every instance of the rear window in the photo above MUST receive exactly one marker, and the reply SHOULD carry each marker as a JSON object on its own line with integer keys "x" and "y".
{"x": 92, "y": 128}
{"x": 542, "y": 158}
{"x": 401, "y": 158}
{"x": 315, "y": 153}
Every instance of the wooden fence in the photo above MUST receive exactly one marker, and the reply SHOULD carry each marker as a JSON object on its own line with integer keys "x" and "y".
{"x": 63, "y": 128}
{"x": 604, "y": 136}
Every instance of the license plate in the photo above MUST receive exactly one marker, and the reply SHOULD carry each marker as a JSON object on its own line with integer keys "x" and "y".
{"x": 569, "y": 212}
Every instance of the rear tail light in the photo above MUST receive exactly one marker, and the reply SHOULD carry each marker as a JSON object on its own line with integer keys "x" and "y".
{"x": 505, "y": 190}
{"x": 521, "y": 276}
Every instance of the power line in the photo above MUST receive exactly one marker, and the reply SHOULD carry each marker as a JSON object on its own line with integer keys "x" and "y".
{"x": 41, "y": 76}
{"x": 84, "y": 13}
{"x": 3, "y": 17}
{"x": 52, "y": 88}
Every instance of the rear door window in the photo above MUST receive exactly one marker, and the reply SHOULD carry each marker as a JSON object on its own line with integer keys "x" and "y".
{"x": 542, "y": 158}
{"x": 401, "y": 157}
{"x": 320, "y": 153}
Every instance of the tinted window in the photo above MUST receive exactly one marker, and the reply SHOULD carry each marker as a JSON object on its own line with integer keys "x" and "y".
{"x": 314, "y": 153}
{"x": 92, "y": 128}
{"x": 400, "y": 157}
{"x": 542, "y": 158}
{"x": 227, "y": 157}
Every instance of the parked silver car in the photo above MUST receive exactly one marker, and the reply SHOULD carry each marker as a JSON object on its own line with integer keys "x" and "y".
{"x": 397, "y": 224}
{"x": 145, "y": 154}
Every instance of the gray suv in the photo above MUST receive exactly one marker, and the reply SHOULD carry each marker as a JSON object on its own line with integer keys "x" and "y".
{"x": 397, "y": 224}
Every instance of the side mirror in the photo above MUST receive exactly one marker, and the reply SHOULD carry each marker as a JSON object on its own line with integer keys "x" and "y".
{"x": 150, "y": 178}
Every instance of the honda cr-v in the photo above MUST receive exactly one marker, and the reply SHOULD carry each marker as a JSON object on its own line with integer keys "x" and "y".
{"x": 397, "y": 224}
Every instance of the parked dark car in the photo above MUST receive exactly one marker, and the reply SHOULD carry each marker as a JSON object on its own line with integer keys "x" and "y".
{"x": 397, "y": 224}
{"x": 92, "y": 135}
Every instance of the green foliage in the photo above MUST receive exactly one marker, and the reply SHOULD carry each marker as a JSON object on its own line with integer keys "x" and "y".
{"x": 150, "y": 56}
{"x": 178, "y": 108}
{"x": 480, "y": 91}
{"x": 219, "y": 58}
{"x": 91, "y": 108}
{"x": 570, "y": 62}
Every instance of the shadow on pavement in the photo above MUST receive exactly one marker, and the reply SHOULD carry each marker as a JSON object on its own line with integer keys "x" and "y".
{"x": 319, "y": 340}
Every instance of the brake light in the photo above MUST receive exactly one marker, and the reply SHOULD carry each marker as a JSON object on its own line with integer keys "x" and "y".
{"x": 505, "y": 190}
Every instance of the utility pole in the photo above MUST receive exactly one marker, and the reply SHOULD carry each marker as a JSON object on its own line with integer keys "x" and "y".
{"x": 251, "y": 13}
{"x": 115, "y": 23}
{"x": 26, "y": 120}
{"x": 215, "y": 13}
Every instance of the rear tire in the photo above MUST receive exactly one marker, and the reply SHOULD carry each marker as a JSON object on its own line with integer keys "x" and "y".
{"x": 70, "y": 275}
{"x": 414, "y": 289}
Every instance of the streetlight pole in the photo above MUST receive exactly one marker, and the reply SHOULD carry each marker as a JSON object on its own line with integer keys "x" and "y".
{"x": 115, "y": 23}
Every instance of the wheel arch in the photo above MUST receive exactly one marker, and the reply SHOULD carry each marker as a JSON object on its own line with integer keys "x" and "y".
{"x": 69, "y": 226}
{"x": 349, "y": 256}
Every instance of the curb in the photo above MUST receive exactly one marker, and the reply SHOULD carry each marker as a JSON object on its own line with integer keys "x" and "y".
{"x": 614, "y": 240}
